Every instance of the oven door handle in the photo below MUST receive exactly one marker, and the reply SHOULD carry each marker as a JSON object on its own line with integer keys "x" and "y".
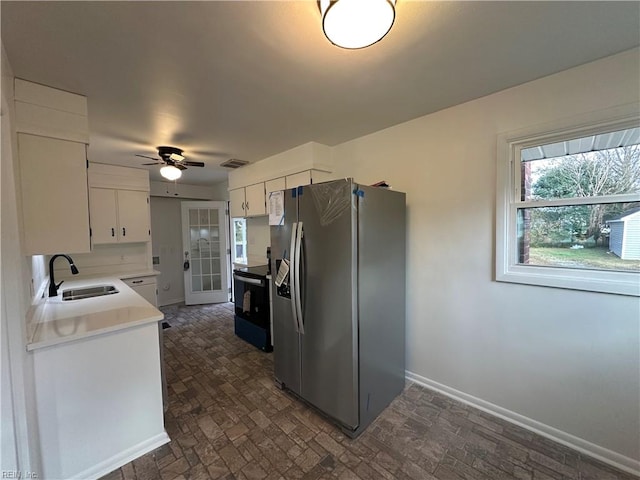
{"x": 252, "y": 281}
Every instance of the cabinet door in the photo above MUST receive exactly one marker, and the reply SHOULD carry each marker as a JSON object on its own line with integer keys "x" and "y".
{"x": 55, "y": 197}
{"x": 275, "y": 185}
{"x": 148, "y": 292}
{"x": 104, "y": 222}
{"x": 236, "y": 203}
{"x": 146, "y": 287}
{"x": 298, "y": 179}
{"x": 133, "y": 216}
{"x": 255, "y": 200}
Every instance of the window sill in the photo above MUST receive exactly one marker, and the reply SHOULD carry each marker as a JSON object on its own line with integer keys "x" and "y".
{"x": 619, "y": 283}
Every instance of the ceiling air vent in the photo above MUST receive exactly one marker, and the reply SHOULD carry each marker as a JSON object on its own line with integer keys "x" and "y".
{"x": 234, "y": 163}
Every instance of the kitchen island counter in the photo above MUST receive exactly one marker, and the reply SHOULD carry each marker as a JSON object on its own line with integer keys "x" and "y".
{"x": 97, "y": 374}
{"x": 58, "y": 321}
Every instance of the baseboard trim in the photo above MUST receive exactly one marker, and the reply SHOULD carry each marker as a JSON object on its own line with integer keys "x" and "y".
{"x": 115, "y": 462}
{"x": 171, "y": 301}
{"x": 605, "y": 455}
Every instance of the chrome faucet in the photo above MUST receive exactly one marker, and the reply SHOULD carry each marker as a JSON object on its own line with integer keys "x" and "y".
{"x": 53, "y": 288}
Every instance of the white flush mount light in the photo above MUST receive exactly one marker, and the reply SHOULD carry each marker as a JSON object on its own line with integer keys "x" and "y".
{"x": 170, "y": 172}
{"x": 356, "y": 23}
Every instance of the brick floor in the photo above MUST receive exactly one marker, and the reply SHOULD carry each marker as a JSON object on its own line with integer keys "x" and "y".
{"x": 228, "y": 420}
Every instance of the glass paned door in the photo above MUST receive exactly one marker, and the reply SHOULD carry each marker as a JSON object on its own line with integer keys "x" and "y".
{"x": 206, "y": 257}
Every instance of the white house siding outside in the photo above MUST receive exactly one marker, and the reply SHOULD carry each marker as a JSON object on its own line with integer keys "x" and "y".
{"x": 624, "y": 238}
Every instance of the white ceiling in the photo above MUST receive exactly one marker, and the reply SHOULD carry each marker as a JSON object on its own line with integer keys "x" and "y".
{"x": 249, "y": 79}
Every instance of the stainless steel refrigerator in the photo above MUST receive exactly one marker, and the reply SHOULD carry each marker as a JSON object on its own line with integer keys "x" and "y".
{"x": 339, "y": 314}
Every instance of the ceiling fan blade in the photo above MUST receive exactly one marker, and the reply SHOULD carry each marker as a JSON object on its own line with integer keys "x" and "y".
{"x": 145, "y": 156}
{"x": 156, "y": 163}
{"x": 180, "y": 167}
{"x": 193, "y": 164}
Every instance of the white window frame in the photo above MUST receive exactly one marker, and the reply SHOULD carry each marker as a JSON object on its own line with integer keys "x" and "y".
{"x": 508, "y": 201}
{"x": 242, "y": 260}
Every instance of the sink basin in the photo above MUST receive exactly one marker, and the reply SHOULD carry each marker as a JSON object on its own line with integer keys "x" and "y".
{"x": 88, "y": 292}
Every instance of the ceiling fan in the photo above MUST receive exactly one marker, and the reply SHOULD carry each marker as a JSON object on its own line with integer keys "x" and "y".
{"x": 173, "y": 160}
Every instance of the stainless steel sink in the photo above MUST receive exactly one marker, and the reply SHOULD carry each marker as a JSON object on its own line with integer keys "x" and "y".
{"x": 88, "y": 292}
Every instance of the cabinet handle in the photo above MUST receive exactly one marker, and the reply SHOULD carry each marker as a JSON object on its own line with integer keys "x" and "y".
{"x": 247, "y": 205}
{"x": 242, "y": 205}
{"x": 113, "y": 232}
{"x": 124, "y": 232}
{"x": 137, "y": 281}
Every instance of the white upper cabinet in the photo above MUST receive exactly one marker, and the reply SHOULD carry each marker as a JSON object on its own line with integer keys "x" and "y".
{"x": 236, "y": 203}
{"x": 119, "y": 204}
{"x": 53, "y": 131}
{"x": 275, "y": 185}
{"x": 255, "y": 200}
{"x": 49, "y": 112}
{"x": 307, "y": 178}
{"x": 104, "y": 215}
{"x": 119, "y": 216}
{"x": 248, "y": 201}
{"x": 298, "y": 179}
{"x": 55, "y": 207}
{"x": 250, "y": 186}
{"x": 133, "y": 216}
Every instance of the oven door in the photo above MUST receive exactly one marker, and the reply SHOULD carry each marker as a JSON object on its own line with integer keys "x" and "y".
{"x": 251, "y": 299}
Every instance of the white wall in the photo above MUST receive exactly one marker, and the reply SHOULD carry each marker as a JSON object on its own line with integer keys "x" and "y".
{"x": 166, "y": 228}
{"x": 258, "y": 239}
{"x": 21, "y": 275}
{"x": 567, "y": 359}
{"x": 220, "y": 191}
{"x": 166, "y": 232}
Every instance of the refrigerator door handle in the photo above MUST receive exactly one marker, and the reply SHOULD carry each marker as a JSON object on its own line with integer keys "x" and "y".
{"x": 298, "y": 293}
{"x": 292, "y": 274}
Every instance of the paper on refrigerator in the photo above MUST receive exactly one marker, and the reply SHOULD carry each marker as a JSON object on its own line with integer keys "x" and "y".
{"x": 276, "y": 208}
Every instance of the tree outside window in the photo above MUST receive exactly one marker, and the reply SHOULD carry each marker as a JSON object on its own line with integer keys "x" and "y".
{"x": 577, "y": 194}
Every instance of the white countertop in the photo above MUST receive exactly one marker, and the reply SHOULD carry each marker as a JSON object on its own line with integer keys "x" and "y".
{"x": 139, "y": 273}
{"x": 57, "y": 321}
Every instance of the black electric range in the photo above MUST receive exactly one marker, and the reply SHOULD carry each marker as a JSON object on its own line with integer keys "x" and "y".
{"x": 252, "y": 315}
{"x": 260, "y": 271}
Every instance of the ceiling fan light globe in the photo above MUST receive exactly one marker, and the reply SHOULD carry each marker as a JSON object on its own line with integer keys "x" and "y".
{"x": 356, "y": 23}
{"x": 170, "y": 172}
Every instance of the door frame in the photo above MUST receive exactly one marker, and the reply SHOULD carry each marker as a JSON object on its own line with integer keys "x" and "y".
{"x": 223, "y": 234}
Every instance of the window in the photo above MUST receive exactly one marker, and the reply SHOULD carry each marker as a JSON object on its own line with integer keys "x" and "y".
{"x": 568, "y": 206}
{"x": 240, "y": 240}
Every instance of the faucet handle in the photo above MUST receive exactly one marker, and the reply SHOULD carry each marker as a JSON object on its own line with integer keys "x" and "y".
{"x": 58, "y": 285}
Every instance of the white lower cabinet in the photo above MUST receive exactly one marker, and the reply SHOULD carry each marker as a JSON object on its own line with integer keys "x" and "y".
{"x": 146, "y": 287}
{"x": 98, "y": 402}
{"x": 119, "y": 216}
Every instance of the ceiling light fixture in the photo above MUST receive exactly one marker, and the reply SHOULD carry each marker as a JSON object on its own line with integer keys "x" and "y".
{"x": 356, "y": 23}
{"x": 170, "y": 172}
